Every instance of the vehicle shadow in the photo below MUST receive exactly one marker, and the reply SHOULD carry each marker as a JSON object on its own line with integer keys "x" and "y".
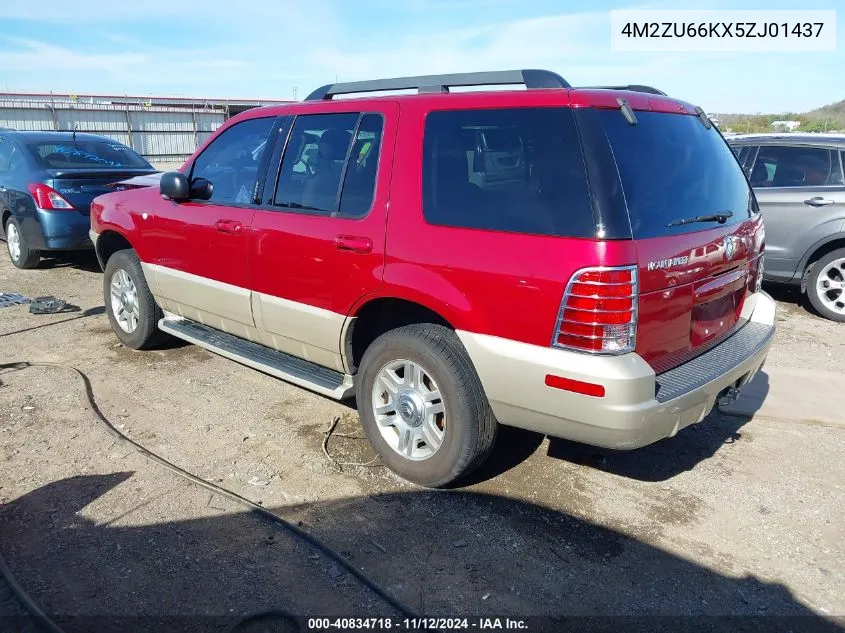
{"x": 791, "y": 294}
{"x": 82, "y": 260}
{"x": 664, "y": 459}
{"x": 441, "y": 553}
{"x": 513, "y": 446}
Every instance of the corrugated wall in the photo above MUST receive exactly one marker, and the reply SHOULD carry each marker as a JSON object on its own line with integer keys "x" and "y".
{"x": 160, "y": 134}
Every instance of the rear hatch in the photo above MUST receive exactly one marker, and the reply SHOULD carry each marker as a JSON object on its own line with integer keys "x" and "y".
{"x": 697, "y": 233}
{"x": 81, "y": 186}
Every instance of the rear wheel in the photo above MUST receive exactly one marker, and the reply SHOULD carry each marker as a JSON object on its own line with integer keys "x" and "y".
{"x": 826, "y": 286}
{"x": 132, "y": 310}
{"x": 422, "y": 405}
{"x": 20, "y": 253}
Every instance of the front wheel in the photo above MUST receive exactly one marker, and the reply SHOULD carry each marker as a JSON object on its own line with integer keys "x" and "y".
{"x": 826, "y": 286}
{"x": 422, "y": 405}
{"x": 132, "y": 310}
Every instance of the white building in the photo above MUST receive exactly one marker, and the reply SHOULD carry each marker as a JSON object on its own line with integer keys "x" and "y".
{"x": 786, "y": 126}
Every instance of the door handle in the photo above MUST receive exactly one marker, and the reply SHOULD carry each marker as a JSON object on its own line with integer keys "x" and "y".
{"x": 818, "y": 201}
{"x": 353, "y": 243}
{"x": 232, "y": 227}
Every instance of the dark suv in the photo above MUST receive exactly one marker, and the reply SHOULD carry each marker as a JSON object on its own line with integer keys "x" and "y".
{"x": 799, "y": 183}
{"x": 47, "y": 183}
{"x": 580, "y": 262}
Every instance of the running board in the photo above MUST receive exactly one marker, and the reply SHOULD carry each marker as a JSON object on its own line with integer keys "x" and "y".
{"x": 289, "y": 368}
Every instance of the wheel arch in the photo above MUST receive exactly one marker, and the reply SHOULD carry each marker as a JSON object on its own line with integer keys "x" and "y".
{"x": 816, "y": 252}
{"x": 108, "y": 243}
{"x": 380, "y": 314}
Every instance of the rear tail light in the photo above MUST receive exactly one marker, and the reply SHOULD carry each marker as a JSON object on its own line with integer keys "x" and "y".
{"x": 47, "y": 197}
{"x": 598, "y": 313}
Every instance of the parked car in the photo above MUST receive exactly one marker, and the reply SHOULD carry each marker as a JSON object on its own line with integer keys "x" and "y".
{"x": 565, "y": 300}
{"x": 47, "y": 183}
{"x": 799, "y": 184}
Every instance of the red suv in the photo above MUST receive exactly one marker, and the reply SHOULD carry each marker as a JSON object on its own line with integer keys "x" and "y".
{"x": 582, "y": 262}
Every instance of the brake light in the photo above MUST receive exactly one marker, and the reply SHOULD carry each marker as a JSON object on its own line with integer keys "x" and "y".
{"x": 598, "y": 313}
{"x": 47, "y": 197}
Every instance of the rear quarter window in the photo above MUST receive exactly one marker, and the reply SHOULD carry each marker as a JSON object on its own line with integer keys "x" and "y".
{"x": 672, "y": 167}
{"x": 510, "y": 169}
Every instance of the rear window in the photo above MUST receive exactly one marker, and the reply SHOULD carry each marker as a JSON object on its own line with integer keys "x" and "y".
{"x": 672, "y": 168}
{"x": 83, "y": 154}
{"x": 517, "y": 170}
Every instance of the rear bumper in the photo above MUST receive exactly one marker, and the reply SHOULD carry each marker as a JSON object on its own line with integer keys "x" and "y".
{"x": 56, "y": 230}
{"x": 638, "y": 407}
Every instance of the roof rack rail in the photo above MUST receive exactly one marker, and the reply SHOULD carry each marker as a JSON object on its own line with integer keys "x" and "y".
{"x": 532, "y": 79}
{"x": 632, "y": 87}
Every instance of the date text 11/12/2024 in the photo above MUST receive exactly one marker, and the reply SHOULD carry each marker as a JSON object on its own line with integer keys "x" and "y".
{"x": 417, "y": 624}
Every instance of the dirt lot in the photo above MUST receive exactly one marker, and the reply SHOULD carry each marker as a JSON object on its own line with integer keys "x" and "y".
{"x": 732, "y": 517}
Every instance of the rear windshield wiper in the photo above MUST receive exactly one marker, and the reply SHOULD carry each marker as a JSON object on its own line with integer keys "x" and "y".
{"x": 721, "y": 218}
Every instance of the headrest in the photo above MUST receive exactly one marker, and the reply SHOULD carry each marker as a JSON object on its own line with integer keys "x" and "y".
{"x": 334, "y": 143}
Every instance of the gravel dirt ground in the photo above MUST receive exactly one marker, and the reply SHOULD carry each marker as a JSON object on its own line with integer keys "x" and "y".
{"x": 734, "y": 516}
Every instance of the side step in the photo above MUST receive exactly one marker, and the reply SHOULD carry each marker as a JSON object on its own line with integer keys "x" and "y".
{"x": 289, "y": 368}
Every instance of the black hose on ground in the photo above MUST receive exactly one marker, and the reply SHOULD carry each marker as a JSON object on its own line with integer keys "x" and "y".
{"x": 90, "y": 405}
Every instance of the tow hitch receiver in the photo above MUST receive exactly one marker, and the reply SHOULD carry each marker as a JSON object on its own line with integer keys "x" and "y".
{"x": 727, "y": 396}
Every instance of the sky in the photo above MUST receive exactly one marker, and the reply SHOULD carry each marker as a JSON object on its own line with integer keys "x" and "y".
{"x": 278, "y": 49}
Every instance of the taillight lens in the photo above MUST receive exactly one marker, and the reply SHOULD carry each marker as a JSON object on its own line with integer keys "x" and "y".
{"x": 47, "y": 197}
{"x": 598, "y": 313}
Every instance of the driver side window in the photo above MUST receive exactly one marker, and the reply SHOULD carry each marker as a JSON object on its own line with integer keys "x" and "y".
{"x": 232, "y": 160}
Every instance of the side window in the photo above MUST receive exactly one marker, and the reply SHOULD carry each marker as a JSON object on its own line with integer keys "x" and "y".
{"x": 795, "y": 166}
{"x": 6, "y": 152}
{"x": 330, "y": 164}
{"x": 359, "y": 183}
{"x": 231, "y": 161}
{"x": 517, "y": 170}
{"x": 838, "y": 177}
{"x": 743, "y": 154}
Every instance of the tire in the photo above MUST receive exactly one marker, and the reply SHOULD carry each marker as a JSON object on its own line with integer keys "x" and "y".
{"x": 133, "y": 313}
{"x": 826, "y": 286}
{"x": 21, "y": 255}
{"x": 465, "y": 425}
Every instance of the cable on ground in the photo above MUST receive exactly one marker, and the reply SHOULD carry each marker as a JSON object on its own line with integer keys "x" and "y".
{"x": 90, "y": 405}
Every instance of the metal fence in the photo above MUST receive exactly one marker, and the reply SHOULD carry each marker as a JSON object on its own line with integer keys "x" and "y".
{"x": 160, "y": 133}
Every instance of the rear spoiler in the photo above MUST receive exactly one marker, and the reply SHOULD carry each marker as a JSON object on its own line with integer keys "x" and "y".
{"x": 97, "y": 173}
{"x": 145, "y": 180}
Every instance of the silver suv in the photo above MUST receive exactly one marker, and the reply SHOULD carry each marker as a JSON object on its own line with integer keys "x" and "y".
{"x": 798, "y": 180}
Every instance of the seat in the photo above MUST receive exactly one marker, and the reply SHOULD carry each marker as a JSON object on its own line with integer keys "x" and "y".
{"x": 57, "y": 160}
{"x": 320, "y": 190}
{"x": 789, "y": 176}
{"x": 759, "y": 175}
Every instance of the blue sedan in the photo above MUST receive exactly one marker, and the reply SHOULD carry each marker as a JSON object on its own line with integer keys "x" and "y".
{"x": 47, "y": 183}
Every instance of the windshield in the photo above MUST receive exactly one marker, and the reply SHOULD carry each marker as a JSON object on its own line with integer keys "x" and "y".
{"x": 673, "y": 168}
{"x": 85, "y": 154}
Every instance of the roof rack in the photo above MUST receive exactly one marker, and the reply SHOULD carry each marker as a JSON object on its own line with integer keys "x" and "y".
{"x": 632, "y": 87}
{"x": 532, "y": 79}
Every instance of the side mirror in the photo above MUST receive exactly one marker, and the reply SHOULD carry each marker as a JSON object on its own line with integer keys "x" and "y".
{"x": 175, "y": 185}
{"x": 201, "y": 189}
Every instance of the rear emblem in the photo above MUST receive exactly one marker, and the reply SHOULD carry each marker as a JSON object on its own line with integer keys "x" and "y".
{"x": 668, "y": 263}
{"x": 729, "y": 247}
